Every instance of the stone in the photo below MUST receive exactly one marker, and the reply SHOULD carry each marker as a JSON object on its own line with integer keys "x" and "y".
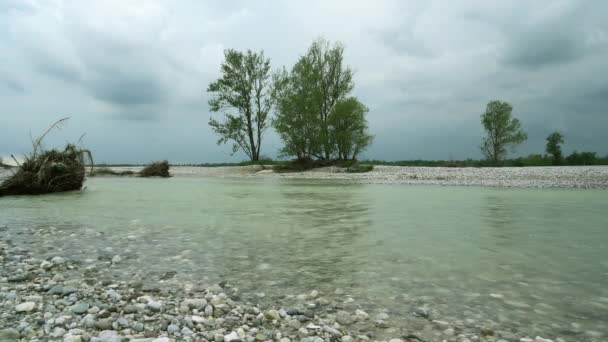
{"x": 347, "y": 338}
{"x": 312, "y": 339}
{"x": 344, "y": 318}
{"x": 294, "y": 323}
{"x": 381, "y": 324}
{"x": 18, "y": 278}
{"x": 46, "y": 265}
{"x": 382, "y": 316}
{"x": 197, "y": 319}
{"x": 161, "y": 339}
{"x": 422, "y": 312}
{"x": 395, "y": 340}
{"x": 361, "y": 315}
{"x": 104, "y": 324}
{"x": 540, "y": 339}
{"x": 186, "y": 331}
{"x": 154, "y": 306}
{"x": 122, "y": 322}
{"x": 72, "y": 338}
{"x": 58, "y": 332}
{"x": 172, "y": 329}
{"x": 208, "y": 310}
{"x": 55, "y": 290}
{"x": 107, "y": 336}
{"x": 25, "y": 307}
{"x": 272, "y": 315}
{"x": 79, "y": 308}
{"x": 332, "y": 331}
{"x": 130, "y": 309}
{"x": 260, "y": 337}
{"x": 69, "y": 290}
{"x": 9, "y": 334}
{"x": 233, "y": 336}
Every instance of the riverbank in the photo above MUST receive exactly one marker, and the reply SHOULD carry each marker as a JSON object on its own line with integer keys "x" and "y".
{"x": 56, "y": 298}
{"x": 583, "y": 177}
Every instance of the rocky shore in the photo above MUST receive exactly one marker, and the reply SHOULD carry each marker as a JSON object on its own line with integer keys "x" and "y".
{"x": 57, "y": 299}
{"x": 567, "y": 177}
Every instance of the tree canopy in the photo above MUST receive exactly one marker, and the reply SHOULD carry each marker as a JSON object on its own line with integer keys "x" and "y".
{"x": 315, "y": 117}
{"x": 503, "y": 131}
{"x": 553, "y": 148}
{"x": 243, "y": 94}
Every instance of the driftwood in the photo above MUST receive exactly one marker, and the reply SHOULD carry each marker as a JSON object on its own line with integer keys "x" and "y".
{"x": 156, "y": 169}
{"x": 47, "y": 171}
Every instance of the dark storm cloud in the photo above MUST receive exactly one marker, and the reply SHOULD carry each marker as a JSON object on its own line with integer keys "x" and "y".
{"x": 135, "y": 72}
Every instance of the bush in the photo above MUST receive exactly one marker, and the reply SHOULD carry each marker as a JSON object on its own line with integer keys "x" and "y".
{"x": 360, "y": 168}
{"x": 156, "y": 169}
{"x": 104, "y": 171}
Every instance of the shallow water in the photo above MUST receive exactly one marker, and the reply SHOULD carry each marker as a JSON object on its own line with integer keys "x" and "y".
{"x": 514, "y": 259}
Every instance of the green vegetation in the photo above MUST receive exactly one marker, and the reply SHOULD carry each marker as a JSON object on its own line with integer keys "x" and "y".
{"x": 553, "y": 148}
{"x": 503, "y": 131}
{"x": 315, "y": 116}
{"x": 243, "y": 94}
{"x": 105, "y": 171}
{"x": 156, "y": 169}
{"x": 47, "y": 171}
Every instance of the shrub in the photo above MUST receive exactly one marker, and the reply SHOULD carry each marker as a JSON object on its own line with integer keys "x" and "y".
{"x": 104, "y": 171}
{"x": 156, "y": 169}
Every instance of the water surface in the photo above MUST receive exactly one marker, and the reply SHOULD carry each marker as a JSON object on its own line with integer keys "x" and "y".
{"x": 520, "y": 259}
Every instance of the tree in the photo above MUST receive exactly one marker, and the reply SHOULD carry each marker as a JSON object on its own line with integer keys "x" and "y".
{"x": 582, "y": 158}
{"x": 331, "y": 81}
{"x": 296, "y": 120}
{"x": 243, "y": 94}
{"x": 502, "y": 131}
{"x": 553, "y": 147}
{"x": 348, "y": 128}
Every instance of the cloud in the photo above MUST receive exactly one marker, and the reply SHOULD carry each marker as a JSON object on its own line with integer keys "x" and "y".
{"x": 134, "y": 73}
{"x": 10, "y": 83}
{"x": 559, "y": 33}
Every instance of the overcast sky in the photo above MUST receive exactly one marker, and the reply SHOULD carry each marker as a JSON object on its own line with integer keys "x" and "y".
{"x": 133, "y": 74}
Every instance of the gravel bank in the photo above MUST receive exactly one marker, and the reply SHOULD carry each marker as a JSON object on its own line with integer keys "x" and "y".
{"x": 583, "y": 177}
{"x": 57, "y": 299}
{"x": 567, "y": 177}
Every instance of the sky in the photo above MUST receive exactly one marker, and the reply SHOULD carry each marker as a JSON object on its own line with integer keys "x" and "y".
{"x": 133, "y": 75}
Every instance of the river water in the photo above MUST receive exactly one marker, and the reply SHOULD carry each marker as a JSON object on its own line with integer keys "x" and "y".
{"x": 518, "y": 260}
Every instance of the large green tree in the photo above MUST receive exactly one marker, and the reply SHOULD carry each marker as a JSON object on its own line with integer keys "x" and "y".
{"x": 243, "y": 95}
{"x": 306, "y": 97}
{"x": 331, "y": 80}
{"x": 348, "y": 130}
{"x": 553, "y": 148}
{"x": 503, "y": 131}
{"x": 297, "y": 121}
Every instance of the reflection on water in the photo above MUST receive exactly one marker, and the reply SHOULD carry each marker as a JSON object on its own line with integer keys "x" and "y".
{"x": 533, "y": 259}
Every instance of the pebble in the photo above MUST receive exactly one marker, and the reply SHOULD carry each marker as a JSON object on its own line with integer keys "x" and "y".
{"x": 79, "y": 308}
{"x": 233, "y": 336}
{"x": 25, "y": 307}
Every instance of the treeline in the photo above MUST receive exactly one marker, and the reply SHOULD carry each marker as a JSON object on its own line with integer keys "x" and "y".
{"x": 315, "y": 114}
{"x": 574, "y": 159}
